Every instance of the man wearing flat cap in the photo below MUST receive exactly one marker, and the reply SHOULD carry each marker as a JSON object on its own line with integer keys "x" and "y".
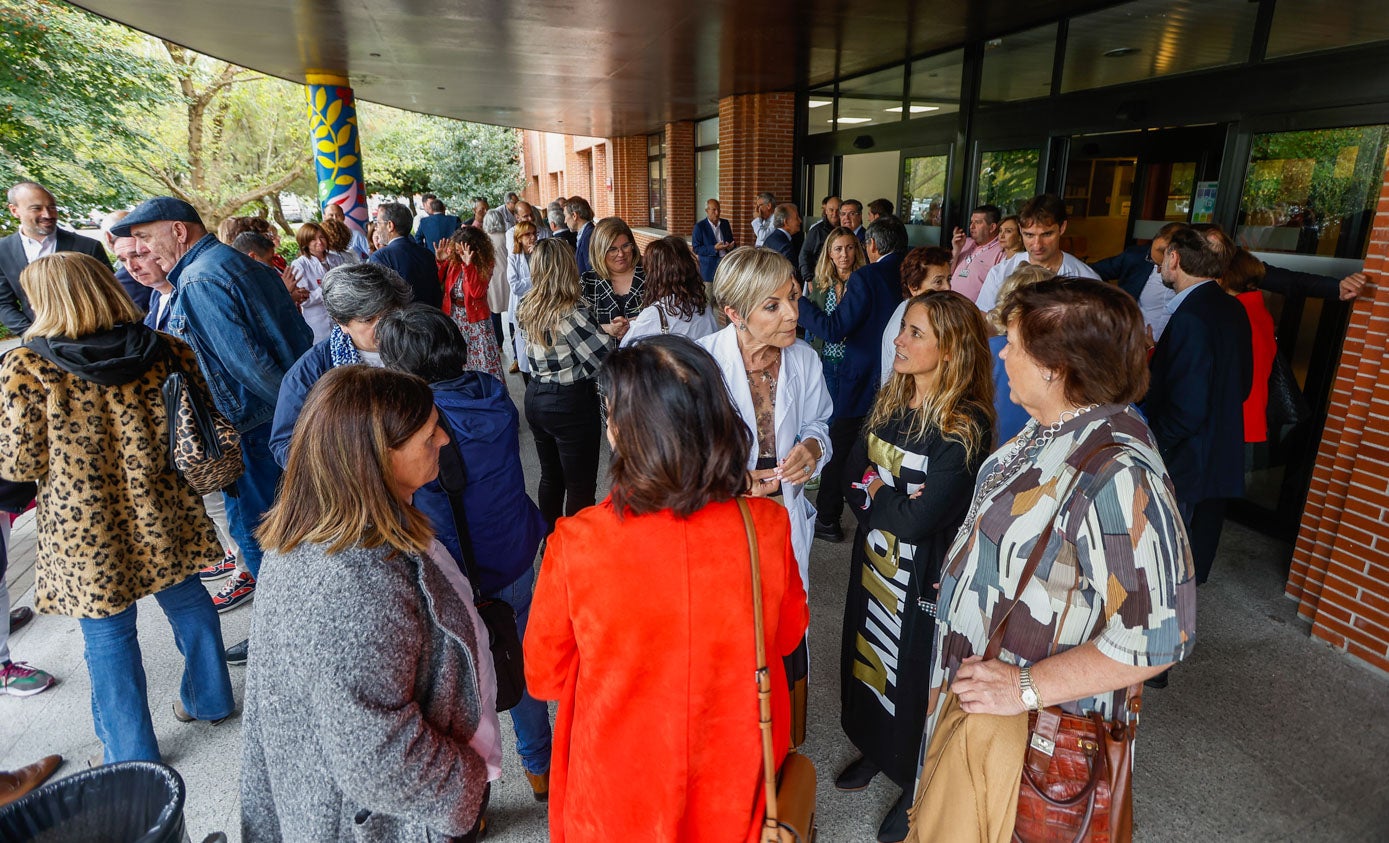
{"x": 246, "y": 331}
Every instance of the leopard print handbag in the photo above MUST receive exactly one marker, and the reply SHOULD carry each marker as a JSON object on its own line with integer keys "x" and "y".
{"x": 204, "y": 448}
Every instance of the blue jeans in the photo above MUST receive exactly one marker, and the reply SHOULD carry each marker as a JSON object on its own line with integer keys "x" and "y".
{"x": 120, "y": 707}
{"x": 255, "y": 493}
{"x": 530, "y": 717}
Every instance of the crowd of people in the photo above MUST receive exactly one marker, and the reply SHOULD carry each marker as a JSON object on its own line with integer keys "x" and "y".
{"x": 1009, "y": 427}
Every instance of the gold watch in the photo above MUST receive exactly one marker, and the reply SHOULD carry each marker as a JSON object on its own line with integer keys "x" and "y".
{"x": 1030, "y": 697}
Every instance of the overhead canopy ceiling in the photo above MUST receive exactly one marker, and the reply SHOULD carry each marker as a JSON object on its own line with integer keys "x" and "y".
{"x": 583, "y": 67}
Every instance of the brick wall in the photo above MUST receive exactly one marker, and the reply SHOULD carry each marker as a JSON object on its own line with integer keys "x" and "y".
{"x": 1340, "y": 567}
{"x": 680, "y": 178}
{"x": 756, "y": 145}
{"x": 629, "y": 179}
{"x": 602, "y": 199}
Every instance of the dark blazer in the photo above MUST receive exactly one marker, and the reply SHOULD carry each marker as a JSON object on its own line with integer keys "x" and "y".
{"x": 416, "y": 265}
{"x": 585, "y": 234}
{"x": 702, "y": 240}
{"x": 567, "y": 236}
{"x": 14, "y": 307}
{"x": 1201, "y": 373}
{"x": 870, "y": 296}
{"x": 815, "y": 238}
{"x": 152, "y": 317}
{"x": 434, "y": 228}
{"x": 1131, "y": 268}
{"x": 781, "y": 242}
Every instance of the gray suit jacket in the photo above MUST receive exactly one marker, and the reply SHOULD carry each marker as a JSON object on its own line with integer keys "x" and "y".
{"x": 14, "y": 306}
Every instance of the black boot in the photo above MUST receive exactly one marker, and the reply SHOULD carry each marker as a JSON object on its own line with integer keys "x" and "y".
{"x": 857, "y": 775}
{"x": 894, "y": 827}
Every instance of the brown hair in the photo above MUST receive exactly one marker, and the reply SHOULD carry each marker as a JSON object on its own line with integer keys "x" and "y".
{"x": 338, "y": 234}
{"x": 673, "y": 282}
{"x": 1220, "y": 244}
{"x": 917, "y": 263}
{"x": 74, "y": 295}
{"x": 484, "y": 256}
{"x": 337, "y": 481}
{"x": 1197, "y": 256}
{"x": 229, "y": 228}
{"x": 1245, "y": 274}
{"x": 1044, "y": 209}
{"x": 680, "y": 444}
{"x": 519, "y": 230}
{"x": 306, "y": 235}
{"x": 961, "y": 405}
{"x": 1088, "y": 332}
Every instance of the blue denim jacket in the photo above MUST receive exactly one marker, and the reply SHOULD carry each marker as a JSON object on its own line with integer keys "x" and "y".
{"x": 242, "y": 324}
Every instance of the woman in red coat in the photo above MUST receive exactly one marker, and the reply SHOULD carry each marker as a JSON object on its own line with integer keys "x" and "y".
{"x": 1241, "y": 280}
{"x": 642, "y": 624}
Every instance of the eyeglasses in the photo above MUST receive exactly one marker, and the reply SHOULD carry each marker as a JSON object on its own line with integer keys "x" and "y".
{"x": 625, "y": 247}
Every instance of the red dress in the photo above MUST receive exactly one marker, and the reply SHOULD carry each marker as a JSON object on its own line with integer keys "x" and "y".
{"x": 642, "y": 629}
{"x": 1265, "y": 345}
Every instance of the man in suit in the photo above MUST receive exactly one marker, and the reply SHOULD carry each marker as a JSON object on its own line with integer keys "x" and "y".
{"x": 1136, "y": 270}
{"x": 414, "y": 262}
{"x": 436, "y": 226}
{"x": 851, "y": 217}
{"x": 870, "y": 297}
{"x": 816, "y": 235}
{"x": 554, "y": 216}
{"x": 786, "y": 224}
{"x": 139, "y": 293}
{"x": 1202, "y": 370}
{"x": 38, "y": 236}
{"x": 579, "y": 217}
{"x": 711, "y": 239}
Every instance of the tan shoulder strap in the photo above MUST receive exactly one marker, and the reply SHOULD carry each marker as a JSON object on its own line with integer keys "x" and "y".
{"x": 770, "y": 829}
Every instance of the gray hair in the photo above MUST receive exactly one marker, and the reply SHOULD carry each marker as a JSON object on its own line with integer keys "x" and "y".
{"x": 555, "y": 213}
{"x": 397, "y": 215}
{"x": 494, "y": 222}
{"x": 782, "y": 214}
{"x": 511, "y": 196}
{"x": 767, "y": 196}
{"x": 747, "y": 275}
{"x": 12, "y": 195}
{"x": 363, "y": 290}
{"x": 888, "y": 235}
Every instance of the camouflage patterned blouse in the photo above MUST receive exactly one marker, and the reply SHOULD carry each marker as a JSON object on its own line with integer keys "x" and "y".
{"x": 1117, "y": 558}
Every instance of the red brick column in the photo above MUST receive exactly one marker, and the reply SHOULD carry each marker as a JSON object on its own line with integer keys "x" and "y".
{"x": 680, "y": 178}
{"x": 1340, "y": 568}
{"x": 629, "y": 179}
{"x": 602, "y": 203}
{"x": 756, "y": 148}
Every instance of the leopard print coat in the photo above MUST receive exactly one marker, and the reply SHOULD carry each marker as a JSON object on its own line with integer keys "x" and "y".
{"x": 114, "y": 522}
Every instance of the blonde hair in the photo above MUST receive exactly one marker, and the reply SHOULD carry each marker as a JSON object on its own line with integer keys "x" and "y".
{"x": 961, "y": 403}
{"x": 826, "y": 275}
{"x": 605, "y": 232}
{"x": 520, "y": 230}
{"x": 555, "y": 290}
{"x": 747, "y": 275}
{"x": 74, "y": 295}
{"x": 337, "y": 487}
{"x": 1022, "y": 277}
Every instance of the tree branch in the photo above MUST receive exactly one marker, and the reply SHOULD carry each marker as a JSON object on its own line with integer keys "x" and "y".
{"x": 233, "y": 204}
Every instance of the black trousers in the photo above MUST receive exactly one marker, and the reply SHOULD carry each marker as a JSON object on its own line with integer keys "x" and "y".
{"x": 564, "y": 419}
{"x": 497, "y": 330}
{"x": 830, "y": 501}
{"x": 1204, "y": 520}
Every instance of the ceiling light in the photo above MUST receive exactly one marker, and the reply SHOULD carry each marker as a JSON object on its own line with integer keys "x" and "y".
{"x": 816, "y": 103}
{"x": 853, "y": 120}
{"x": 1119, "y": 52}
{"x": 915, "y": 109}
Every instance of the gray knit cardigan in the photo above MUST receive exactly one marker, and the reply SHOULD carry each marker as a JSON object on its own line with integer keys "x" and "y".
{"x": 361, "y": 697}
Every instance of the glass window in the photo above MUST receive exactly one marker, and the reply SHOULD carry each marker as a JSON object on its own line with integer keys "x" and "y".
{"x": 656, "y": 180}
{"x": 820, "y": 110}
{"x": 1007, "y": 178}
{"x": 706, "y": 179}
{"x": 935, "y": 84}
{"x": 1148, "y": 38}
{"x": 1305, "y": 27}
{"x": 707, "y": 132}
{"x": 1018, "y": 66}
{"x": 923, "y": 198}
{"x": 1312, "y": 192}
{"x": 871, "y": 100}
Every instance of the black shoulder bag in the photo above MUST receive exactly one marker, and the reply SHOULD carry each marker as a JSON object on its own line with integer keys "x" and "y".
{"x": 497, "y": 615}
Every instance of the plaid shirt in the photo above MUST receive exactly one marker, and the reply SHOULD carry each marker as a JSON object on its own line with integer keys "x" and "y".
{"x": 579, "y": 346}
{"x": 598, "y": 292}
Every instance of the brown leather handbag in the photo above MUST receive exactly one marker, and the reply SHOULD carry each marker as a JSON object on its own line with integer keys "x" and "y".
{"x": 790, "y": 791}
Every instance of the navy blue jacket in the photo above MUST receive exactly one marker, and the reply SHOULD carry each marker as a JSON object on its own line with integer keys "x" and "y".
{"x": 1201, "y": 373}
{"x": 139, "y": 293}
{"x": 780, "y": 241}
{"x": 416, "y": 265}
{"x": 294, "y": 389}
{"x": 585, "y": 234}
{"x": 1131, "y": 268}
{"x": 434, "y": 228}
{"x": 152, "y": 319}
{"x": 870, "y": 296}
{"x": 702, "y": 241}
{"x": 504, "y": 525}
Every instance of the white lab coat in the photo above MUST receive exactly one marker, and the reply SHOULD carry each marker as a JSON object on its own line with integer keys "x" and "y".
{"x": 803, "y": 408}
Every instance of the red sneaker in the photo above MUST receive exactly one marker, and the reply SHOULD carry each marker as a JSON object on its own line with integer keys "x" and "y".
{"x": 217, "y": 570}
{"x": 238, "y": 590}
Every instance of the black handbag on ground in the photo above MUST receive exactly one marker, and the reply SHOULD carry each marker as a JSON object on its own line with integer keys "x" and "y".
{"x": 497, "y": 615}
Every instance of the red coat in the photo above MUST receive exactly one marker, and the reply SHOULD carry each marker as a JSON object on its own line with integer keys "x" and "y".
{"x": 642, "y": 629}
{"x": 1265, "y": 346}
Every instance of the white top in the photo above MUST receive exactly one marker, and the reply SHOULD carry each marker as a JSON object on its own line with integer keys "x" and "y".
{"x": 648, "y": 323}
{"x": 487, "y": 740}
{"x": 761, "y": 228}
{"x": 518, "y": 278}
{"x": 988, "y": 296}
{"x": 890, "y": 331}
{"x": 35, "y": 249}
{"x": 1153, "y": 301}
{"x": 310, "y": 271}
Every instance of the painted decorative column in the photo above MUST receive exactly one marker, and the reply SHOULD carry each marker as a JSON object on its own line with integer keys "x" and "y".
{"x": 337, "y": 146}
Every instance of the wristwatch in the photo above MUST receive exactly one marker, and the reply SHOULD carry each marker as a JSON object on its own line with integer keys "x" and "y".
{"x": 1030, "y": 697}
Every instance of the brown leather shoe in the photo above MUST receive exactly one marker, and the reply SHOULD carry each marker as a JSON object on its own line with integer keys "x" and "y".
{"x": 19, "y": 617}
{"x": 540, "y": 785}
{"x": 15, "y": 784}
